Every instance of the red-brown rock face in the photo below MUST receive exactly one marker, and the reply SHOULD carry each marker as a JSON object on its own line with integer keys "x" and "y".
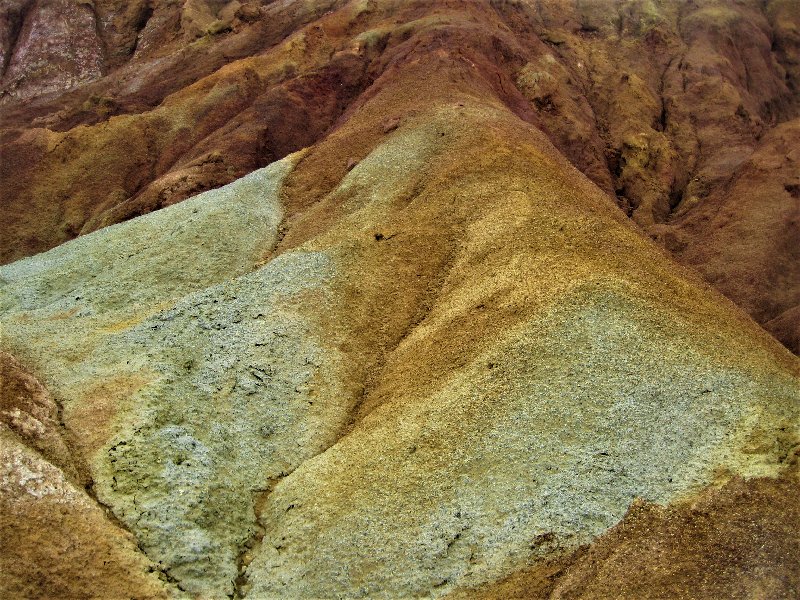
{"x": 56, "y": 48}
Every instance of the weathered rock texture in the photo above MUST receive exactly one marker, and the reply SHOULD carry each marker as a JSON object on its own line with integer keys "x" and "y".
{"x": 423, "y": 352}
{"x": 56, "y": 541}
{"x": 690, "y": 550}
{"x": 669, "y": 106}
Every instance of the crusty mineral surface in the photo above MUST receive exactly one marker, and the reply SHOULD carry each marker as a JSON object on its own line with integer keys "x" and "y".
{"x": 400, "y": 299}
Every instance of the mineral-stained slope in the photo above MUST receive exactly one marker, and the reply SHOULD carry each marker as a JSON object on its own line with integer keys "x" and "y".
{"x": 110, "y": 109}
{"x": 690, "y": 550}
{"x": 424, "y": 356}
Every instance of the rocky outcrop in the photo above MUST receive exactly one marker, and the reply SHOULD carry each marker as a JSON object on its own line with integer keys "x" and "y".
{"x": 55, "y": 48}
{"x": 30, "y": 412}
{"x": 56, "y": 540}
{"x": 424, "y": 355}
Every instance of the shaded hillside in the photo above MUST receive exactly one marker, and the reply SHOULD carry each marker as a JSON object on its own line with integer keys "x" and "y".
{"x": 414, "y": 346}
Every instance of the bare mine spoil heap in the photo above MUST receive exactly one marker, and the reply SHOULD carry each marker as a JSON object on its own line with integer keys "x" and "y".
{"x": 400, "y": 299}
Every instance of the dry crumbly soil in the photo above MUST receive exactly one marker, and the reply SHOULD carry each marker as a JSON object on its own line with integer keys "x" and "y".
{"x": 384, "y": 299}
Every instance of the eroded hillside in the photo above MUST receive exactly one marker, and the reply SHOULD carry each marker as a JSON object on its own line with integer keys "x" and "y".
{"x": 685, "y": 112}
{"x": 390, "y": 322}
